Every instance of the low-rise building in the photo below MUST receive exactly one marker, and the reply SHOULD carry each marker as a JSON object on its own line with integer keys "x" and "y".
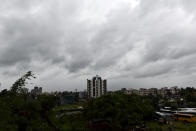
{"x": 175, "y": 91}
{"x": 163, "y": 91}
{"x": 132, "y": 91}
{"x": 82, "y": 96}
{"x": 36, "y": 91}
{"x": 153, "y": 91}
{"x": 143, "y": 92}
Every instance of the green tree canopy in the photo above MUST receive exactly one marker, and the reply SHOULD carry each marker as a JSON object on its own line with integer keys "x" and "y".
{"x": 119, "y": 110}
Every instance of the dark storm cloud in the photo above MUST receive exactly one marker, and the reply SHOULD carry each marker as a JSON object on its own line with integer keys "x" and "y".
{"x": 26, "y": 36}
{"x": 27, "y": 39}
{"x": 167, "y": 35}
{"x": 132, "y": 38}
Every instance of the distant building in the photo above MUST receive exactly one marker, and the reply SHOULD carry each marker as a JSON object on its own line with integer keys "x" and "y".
{"x": 123, "y": 89}
{"x": 36, "y": 91}
{"x": 163, "y": 92}
{"x": 96, "y": 87}
{"x": 132, "y": 91}
{"x": 153, "y": 91}
{"x": 143, "y": 92}
{"x": 82, "y": 96}
{"x": 175, "y": 91}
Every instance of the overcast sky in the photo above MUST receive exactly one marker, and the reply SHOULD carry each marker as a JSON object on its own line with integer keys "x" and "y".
{"x": 132, "y": 43}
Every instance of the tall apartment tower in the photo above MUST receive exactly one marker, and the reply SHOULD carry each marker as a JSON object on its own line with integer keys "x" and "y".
{"x": 96, "y": 87}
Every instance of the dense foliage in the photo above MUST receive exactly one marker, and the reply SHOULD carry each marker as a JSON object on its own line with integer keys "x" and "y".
{"x": 120, "y": 110}
{"x": 20, "y": 111}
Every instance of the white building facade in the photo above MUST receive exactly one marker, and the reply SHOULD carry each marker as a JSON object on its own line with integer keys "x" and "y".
{"x": 96, "y": 87}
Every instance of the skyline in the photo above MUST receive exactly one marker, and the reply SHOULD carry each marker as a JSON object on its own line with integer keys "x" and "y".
{"x": 131, "y": 43}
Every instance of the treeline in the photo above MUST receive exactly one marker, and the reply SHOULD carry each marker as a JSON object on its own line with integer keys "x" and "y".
{"x": 110, "y": 112}
{"x": 21, "y": 111}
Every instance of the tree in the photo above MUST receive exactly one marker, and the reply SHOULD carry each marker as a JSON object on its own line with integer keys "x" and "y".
{"x": 19, "y": 111}
{"x": 21, "y": 82}
{"x": 119, "y": 110}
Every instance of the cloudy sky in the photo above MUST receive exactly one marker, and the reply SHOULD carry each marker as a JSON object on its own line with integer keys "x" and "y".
{"x": 132, "y": 43}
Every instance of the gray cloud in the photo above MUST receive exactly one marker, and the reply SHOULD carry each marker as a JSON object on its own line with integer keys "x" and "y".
{"x": 140, "y": 40}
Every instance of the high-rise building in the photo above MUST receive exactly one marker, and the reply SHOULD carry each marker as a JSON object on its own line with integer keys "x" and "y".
{"x": 96, "y": 87}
